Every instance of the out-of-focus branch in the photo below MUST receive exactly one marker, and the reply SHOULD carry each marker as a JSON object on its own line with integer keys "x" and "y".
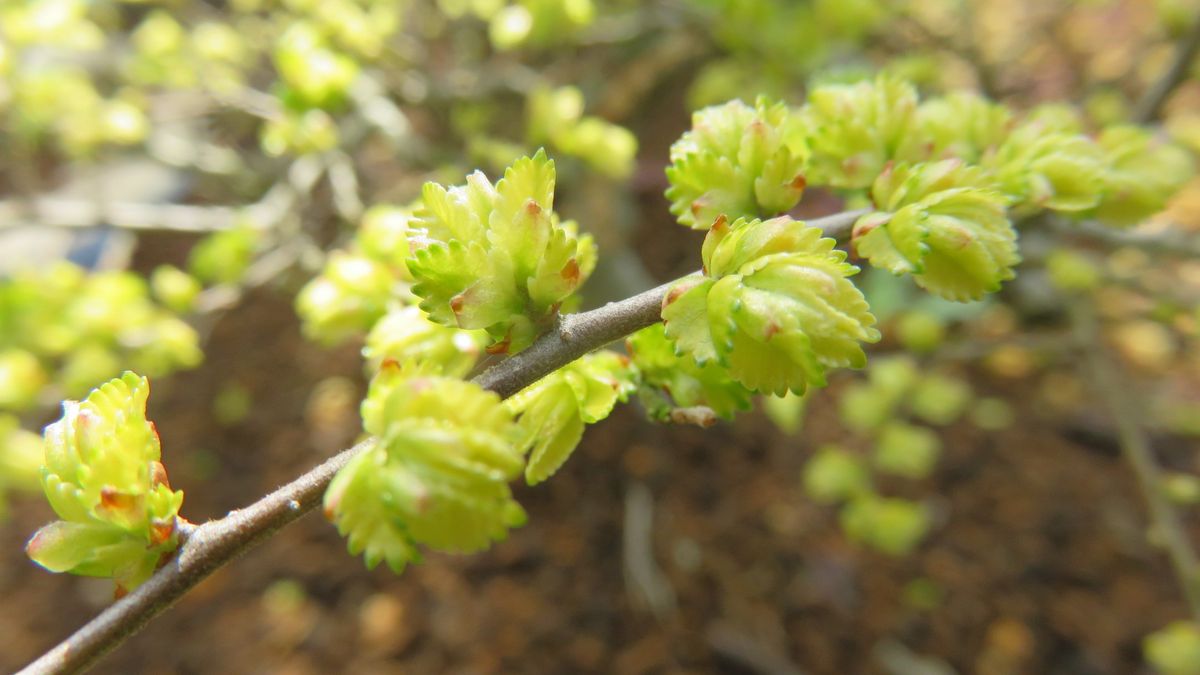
{"x": 1167, "y": 242}
{"x": 62, "y": 211}
{"x": 1135, "y": 445}
{"x": 1152, "y": 100}
{"x": 80, "y": 212}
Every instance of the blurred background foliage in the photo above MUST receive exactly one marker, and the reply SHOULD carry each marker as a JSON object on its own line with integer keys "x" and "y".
{"x": 167, "y": 164}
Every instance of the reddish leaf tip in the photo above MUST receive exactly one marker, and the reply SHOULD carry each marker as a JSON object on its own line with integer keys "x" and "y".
{"x": 570, "y": 271}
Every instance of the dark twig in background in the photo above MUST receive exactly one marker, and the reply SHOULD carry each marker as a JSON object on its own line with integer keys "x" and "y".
{"x": 1152, "y": 100}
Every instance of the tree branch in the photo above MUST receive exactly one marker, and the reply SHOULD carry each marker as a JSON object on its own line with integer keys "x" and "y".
{"x": 1135, "y": 446}
{"x": 1152, "y": 100}
{"x": 211, "y": 545}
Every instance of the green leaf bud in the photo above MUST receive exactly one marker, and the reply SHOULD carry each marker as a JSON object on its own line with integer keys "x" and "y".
{"x": 222, "y": 257}
{"x": 892, "y": 526}
{"x": 920, "y": 331}
{"x": 539, "y": 23}
{"x": 174, "y": 288}
{"x": 496, "y": 257}
{"x": 855, "y": 130}
{"x": 319, "y": 76}
{"x": 1072, "y": 271}
{"x": 940, "y": 399}
{"x": 103, "y": 478}
{"x": 406, "y": 335}
{"x": 1143, "y": 173}
{"x": 835, "y": 475}
{"x": 21, "y": 379}
{"x": 88, "y": 366}
{"x": 166, "y": 344}
{"x": 775, "y": 306}
{"x": 864, "y": 408}
{"x": 961, "y": 125}
{"x": 670, "y": 382}
{"x": 437, "y": 475}
{"x": 940, "y": 223}
{"x": 351, "y": 294}
{"x": 299, "y": 133}
{"x": 1040, "y": 165}
{"x": 607, "y": 147}
{"x": 992, "y": 414}
{"x": 554, "y": 410}
{"x": 906, "y": 450}
{"x": 20, "y": 459}
{"x": 1181, "y": 488}
{"x": 1175, "y": 649}
{"x": 737, "y": 161}
{"x": 383, "y": 236}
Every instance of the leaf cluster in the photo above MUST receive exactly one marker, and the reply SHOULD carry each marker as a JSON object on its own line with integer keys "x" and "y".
{"x": 101, "y": 474}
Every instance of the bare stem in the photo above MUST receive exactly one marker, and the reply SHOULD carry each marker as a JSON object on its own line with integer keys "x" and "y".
{"x": 1152, "y": 100}
{"x": 211, "y": 545}
{"x": 1172, "y": 242}
{"x": 1165, "y": 521}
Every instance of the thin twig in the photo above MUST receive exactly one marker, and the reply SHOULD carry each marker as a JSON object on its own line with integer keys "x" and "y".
{"x": 1152, "y": 100}
{"x": 1135, "y": 446}
{"x": 838, "y": 225}
{"x": 1172, "y": 242}
{"x": 213, "y": 544}
{"x": 87, "y": 212}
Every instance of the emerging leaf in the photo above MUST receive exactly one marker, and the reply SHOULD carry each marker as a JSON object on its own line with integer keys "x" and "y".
{"x": 775, "y": 306}
{"x": 961, "y": 125}
{"x": 1040, "y": 166}
{"x": 103, "y": 478}
{"x": 938, "y": 225}
{"x": 1142, "y": 175}
{"x": 670, "y": 382}
{"x": 737, "y": 161}
{"x": 496, "y": 257}
{"x": 350, "y": 295}
{"x": 855, "y": 130}
{"x": 407, "y": 335}
{"x": 893, "y": 526}
{"x": 554, "y": 410}
{"x": 834, "y": 475}
{"x": 355, "y": 501}
{"x": 438, "y": 474}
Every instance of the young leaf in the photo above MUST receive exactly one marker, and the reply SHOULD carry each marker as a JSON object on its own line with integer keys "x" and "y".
{"x": 834, "y": 475}
{"x": 1174, "y": 649}
{"x": 1142, "y": 175}
{"x": 496, "y": 257}
{"x": 893, "y": 526}
{"x": 370, "y": 523}
{"x": 855, "y": 130}
{"x": 554, "y": 410}
{"x": 962, "y": 125}
{"x": 438, "y": 475}
{"x": 737, "y": 161}
{"x": 103, "y": 479}
{"x": 1040, "y": 166}
{"x": 936, "y": 224}
{"x": 775, "y": 306}
{"x": 670, "y": 382}
{"x": 907, "y": 450}
{"x": 350, "y": 295}
{"x": 407, "y": 335}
